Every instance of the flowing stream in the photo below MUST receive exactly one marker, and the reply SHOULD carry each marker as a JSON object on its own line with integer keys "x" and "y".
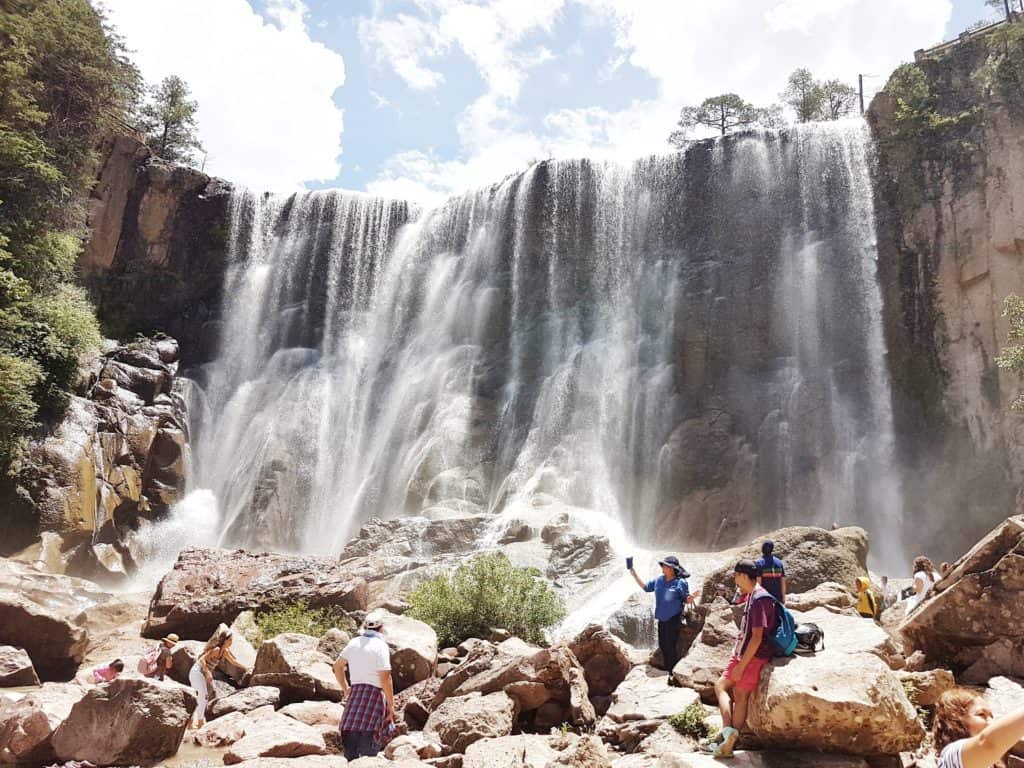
{"x": 688, "y": 348}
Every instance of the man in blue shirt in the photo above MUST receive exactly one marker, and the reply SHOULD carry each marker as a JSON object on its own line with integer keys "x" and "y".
{"x": 773, "y": 573}
{"x": 671, "y": 594}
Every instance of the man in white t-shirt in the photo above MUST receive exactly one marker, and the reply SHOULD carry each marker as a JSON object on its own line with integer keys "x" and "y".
{"x": 370, "y": 700}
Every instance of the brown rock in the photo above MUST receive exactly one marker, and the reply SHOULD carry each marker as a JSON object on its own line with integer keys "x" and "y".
{"x": 459, "y": 721}
{"x": 292, "y": 663}
{"x": 522, "y": 751}
{"x": 16, "y": 668}
{"x": 604, "y": 658}
{"x": 39, "y": 612}
{"x": 27, "y": 725}
{"x": 846, "y": 634}
{"x": 276, "y": 735}
{"x": 812, "y": 556}
{"x": 585, "y": 752}
{"x": 315, "y": 712}
{"x": 413, "y": 646}
{"x": 333, "y": 642}
{"x": 710, "y": 652}
{"x": 857, "y": 706}
{"x": 208, "y": 587}
{"x": 551, "y": 674}
{"x": 644, "y": 695}
{"x": 978, "y": 616}
{"x": 129, "y": 720}
{"x": 245, "y": 700}
{"x": 926, "y": 687}
{"x": 223, "y": 731}
{"x": 827, "y": 595}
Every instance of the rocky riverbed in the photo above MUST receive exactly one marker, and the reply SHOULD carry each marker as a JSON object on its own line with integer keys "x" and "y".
{"x": 590, "y": 699}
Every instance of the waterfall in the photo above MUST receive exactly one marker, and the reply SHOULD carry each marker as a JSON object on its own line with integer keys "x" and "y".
{"x": 688, "y": 348}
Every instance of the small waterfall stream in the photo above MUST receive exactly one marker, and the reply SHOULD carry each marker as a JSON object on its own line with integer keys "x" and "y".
{"x": 688, "y": 349}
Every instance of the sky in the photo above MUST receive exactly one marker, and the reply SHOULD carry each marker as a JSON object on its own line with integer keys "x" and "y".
{"x": 423, "y": 99}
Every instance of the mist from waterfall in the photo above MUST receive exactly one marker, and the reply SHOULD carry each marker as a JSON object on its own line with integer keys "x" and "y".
{"x": 687, "y": 349}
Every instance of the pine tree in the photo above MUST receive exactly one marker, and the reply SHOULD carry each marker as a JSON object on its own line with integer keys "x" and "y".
{"x": 169, "y": 118}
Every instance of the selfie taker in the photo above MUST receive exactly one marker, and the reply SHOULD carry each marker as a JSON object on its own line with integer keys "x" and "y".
{"x": 671, "y": 594}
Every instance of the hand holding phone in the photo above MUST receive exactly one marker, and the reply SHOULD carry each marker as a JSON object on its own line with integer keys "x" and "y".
{"x": 629, "y": 563}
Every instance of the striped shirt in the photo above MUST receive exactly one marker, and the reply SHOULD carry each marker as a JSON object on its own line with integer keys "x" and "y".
{"x": 772, "y": 574}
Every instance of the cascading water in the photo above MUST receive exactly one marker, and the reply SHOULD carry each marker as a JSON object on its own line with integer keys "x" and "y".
{"x": 689, "y": 349}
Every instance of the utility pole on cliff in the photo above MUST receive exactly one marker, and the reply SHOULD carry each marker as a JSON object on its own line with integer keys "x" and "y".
{"x": 860, "y": 89}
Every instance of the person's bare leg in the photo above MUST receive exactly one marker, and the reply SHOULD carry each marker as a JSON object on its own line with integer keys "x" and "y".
{"x": 722, "y": 691}
{"x": 739, "y": 710}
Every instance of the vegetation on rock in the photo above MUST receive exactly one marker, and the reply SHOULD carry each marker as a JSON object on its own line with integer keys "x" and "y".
{"x": 485, "y": 593}
{"x": 690, "y": 722}
{"x": 300, "y": 617}
{"x": 1012, "y": 358}
{"x": 65, "y": 82}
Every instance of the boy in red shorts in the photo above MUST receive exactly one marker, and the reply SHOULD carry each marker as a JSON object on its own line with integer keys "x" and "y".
{"x": 752, "y": 651}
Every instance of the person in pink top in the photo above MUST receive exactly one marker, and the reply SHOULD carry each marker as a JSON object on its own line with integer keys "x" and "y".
{"x": 107, "y": 672}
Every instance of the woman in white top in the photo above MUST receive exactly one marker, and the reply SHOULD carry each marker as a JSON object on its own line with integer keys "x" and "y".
{"x": 966, "y": 735}
{"x": 925, "y": 577}
{"x": 200, "y": 676}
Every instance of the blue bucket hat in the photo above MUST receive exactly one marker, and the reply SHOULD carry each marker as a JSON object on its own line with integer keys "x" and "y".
{"x": 673, "y": 562}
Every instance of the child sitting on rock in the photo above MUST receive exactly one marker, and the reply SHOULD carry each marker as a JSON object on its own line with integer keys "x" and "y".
{"x": 107, "y": 672}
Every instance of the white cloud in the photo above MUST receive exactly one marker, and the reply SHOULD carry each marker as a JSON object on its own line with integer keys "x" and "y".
{"x": 264, "y": 88}
{"x": 689, "y": 50}
{"x": 402, "y": 43}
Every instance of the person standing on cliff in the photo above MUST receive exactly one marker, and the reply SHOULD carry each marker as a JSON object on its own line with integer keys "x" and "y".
{"x": 671, "y": 594}
{"x": 369, "y": 714}
{"x": 773, "y": 573}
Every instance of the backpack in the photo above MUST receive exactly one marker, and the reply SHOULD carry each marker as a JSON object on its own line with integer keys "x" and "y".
{"x": 809, "y": 635}
{"x": 784, "y": 638}
{"x": 148, "y": 664}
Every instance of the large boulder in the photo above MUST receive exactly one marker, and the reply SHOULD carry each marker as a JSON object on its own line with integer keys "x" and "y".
{"x": 644, "y": 695}
{"x": 292, "y": 663}
{"x": 208, "y": 587}
{"x": 533, "y": 677}
{"x": 522, "y": 751}
{"x": 604, "y": 657}
{"x": 641, "y": 705}
{"x": 27, "y": 725}
{"x": 460, "y": 721}
{"x": 846, "y": 634}
{"x": 710, "y": 652}
{"x": 812, "y": 556}
{"x": 975, "y": 616}
{"x": 276, "y": 735}
{"x": 127, "y": 721}
{"x": 315, "y": 712}
{"x": 924, "y": 688}
{"x": 16, "y": 668}
{"x": 245, "y": 700}
{"x": 830, "y": 594}
{"x": 41, "y": 613}
{"x": 413, "y": 646}
{"x": 852, "y": 704}
{"x": 584, "y": 752}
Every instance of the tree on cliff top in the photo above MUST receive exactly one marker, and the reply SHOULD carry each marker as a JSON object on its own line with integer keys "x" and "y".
{"x": 169, "y": 119}
{"x": 803, "y": 94}
{"x": 724, "y": 113}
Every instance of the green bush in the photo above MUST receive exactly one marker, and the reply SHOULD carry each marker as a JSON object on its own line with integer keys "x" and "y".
{"x": 300, "y": 617}
{"x": 18, "y": 379}
{"x": 487, "y": 592}
{"x": 690, "y": 722}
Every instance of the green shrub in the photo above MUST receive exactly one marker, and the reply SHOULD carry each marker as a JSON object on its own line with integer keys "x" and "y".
{"x": 300, "y": 617}
{"x": 18, "y": 379}
{"x": 690, "y": 722}
{"x": 487, "y": 592}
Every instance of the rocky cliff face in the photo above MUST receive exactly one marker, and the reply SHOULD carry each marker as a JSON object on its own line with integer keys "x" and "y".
{"x": 155, "y": 259}
{"x": 950, "y": 210}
